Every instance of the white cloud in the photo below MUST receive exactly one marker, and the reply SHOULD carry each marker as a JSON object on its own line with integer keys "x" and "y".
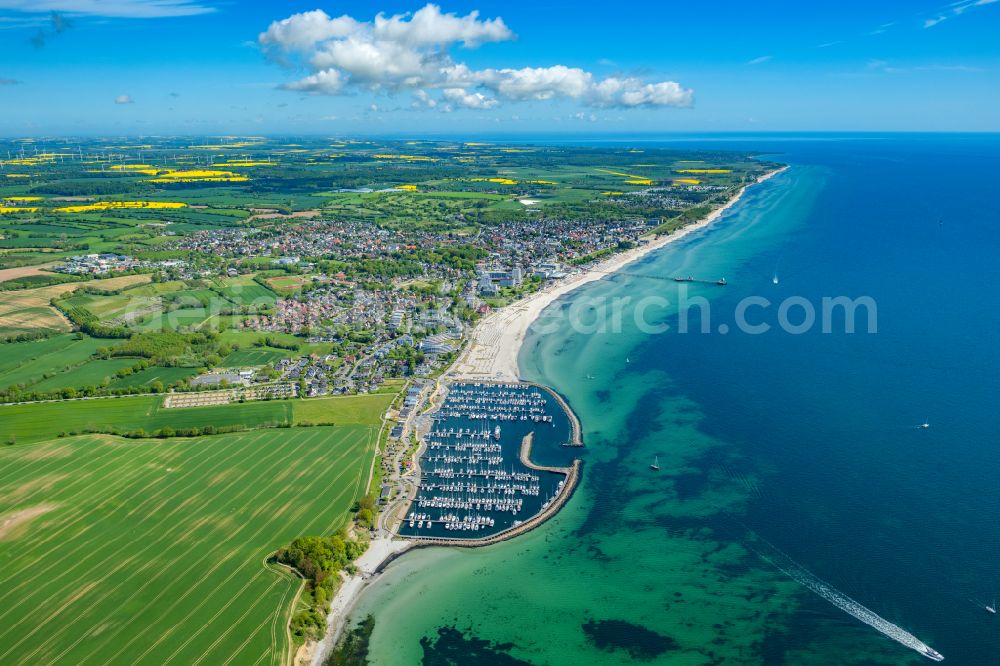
{"x": 301, "y": 32}
{"x": 422, "y": 100}
{"x": 632, "y": 92}
{"x": 124, "y": 99}
{"x": 327, "y": 82}
{"x": 429, "y": 27}
{"x": 411, "y": 53}
{"x": 760, "y": 60}
{"x": 467, "y": 100}
{"x": 955, "y": 9}
{"x": 112, "y": 8}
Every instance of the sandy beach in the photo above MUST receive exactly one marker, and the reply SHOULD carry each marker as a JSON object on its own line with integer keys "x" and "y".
{"x": 379, "y": 550}
{"x": 496, "y": 341}
{"x": 492, "y": 354}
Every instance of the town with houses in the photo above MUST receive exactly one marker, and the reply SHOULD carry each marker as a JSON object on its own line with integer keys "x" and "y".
{"x": 404, "y": 317}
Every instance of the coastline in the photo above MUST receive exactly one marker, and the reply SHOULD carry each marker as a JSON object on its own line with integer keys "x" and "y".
{"x": 379, "y": 553}
{"x": 492, "y": 355}
{"x": 495, "y": 343}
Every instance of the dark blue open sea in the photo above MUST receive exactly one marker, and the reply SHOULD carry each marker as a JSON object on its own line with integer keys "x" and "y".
{"x": 780, "y": 453}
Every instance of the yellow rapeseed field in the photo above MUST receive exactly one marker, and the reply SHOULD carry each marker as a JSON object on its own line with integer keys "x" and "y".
{"x": 499, "y": 181}
{"x": 111, "y": 205}
{"x": 30, "y": 161}
{"x": 631, "y": 179}
{"x": 199, "y": 176}
{"x": 136, "y": 168}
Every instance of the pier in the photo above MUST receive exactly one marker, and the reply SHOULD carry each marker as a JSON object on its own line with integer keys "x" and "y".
{"x": 721, "y": 282}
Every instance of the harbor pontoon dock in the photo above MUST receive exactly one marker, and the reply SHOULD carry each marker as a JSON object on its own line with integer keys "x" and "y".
{"x": 476, "y": 480}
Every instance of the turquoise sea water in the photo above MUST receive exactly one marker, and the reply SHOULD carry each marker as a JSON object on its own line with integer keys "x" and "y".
{"x": 806, "y": 441}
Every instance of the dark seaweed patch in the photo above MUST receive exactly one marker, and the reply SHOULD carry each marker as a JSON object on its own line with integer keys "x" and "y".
{"x": 453, "y": 648}
{"x": 352, "y": 649}
{"x": 689, "y": 486}
{"x": 638, "y": 641}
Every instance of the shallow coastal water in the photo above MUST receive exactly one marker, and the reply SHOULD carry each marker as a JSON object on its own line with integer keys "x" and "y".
{"x": 805, "y": 440}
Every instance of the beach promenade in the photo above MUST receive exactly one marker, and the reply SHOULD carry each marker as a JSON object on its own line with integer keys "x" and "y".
{"x": 492, "y": 356}
{"x": 495, "y": 343}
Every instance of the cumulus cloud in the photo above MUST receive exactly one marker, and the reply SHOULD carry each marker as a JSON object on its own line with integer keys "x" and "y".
{"x": 325, "y": 82}
{"x": 411, "y": 53}
{"x": 468, "y": 100}
{"x": 421, "y": 100}
{"x": 124, "y": 99}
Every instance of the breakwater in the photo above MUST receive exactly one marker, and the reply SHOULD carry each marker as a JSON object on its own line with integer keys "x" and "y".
{"x": 477, "y": 479}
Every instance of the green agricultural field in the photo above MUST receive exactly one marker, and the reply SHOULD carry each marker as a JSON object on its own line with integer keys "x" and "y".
{"x": 244, "y": 291}
{"x": 27, "y": 362}
{"x": 38, "y": 421}
{"x": 91, "y": 373}
{"x": 166, "y": 376}
{"x": 247, "y": 357}
{"x": 154, "y": 289}
{"x": 196, "y": 297}
{"x": 128, "y": 306}
{"x": 107, "y": 307}
{"x": 152, "y": 552}
{"x": 174, "y": 320}
{"x": 343, "y": 409}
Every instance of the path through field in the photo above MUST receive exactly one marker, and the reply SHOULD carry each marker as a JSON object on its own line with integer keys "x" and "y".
{"x": 152, "y": 551}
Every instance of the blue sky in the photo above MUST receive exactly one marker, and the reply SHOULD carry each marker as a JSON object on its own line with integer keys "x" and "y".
{"x": 203, "y": 67}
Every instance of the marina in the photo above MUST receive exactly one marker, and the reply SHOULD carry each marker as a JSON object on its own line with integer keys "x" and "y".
{"x": 476, "y": 477}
